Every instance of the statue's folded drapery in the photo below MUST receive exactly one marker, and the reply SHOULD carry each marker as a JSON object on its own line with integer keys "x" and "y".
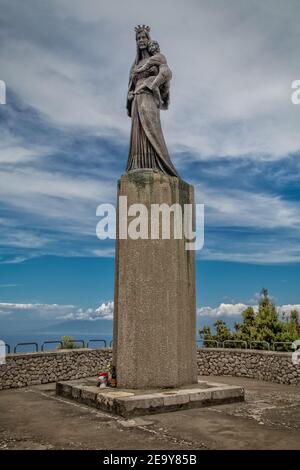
{"x": 147, "y": 144}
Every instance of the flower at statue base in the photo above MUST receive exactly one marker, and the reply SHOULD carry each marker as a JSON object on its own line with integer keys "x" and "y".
{"x": 102, "y": 379}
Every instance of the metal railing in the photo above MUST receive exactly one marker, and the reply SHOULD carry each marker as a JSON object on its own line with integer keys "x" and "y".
{"x": 36, "y": 345}
{"x": 204, "y": 341}
{"x": 205, "y": 344}
{"x": 96, "y": 341}
{"x": 78, "y": 341}
{"x": 260, "y": 342}
{"x": 227, "y": 341}
{"x": 26, "y": 344}
{"x": 51, "y": 342}
{"x": 281, "y": 342}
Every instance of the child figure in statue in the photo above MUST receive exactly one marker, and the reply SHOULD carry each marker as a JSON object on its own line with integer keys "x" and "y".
{"x": 159, "y": 85}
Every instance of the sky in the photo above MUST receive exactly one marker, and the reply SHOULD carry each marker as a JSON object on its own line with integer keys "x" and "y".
{"x": 231, "y": 129}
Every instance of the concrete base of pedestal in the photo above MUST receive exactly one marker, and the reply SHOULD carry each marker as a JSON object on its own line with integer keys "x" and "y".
{"x": 155, "y": 312}
{"x": 128, "y": 403}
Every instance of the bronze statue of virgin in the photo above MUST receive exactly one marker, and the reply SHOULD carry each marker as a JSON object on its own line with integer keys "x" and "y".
{"x": 148, "y": 93}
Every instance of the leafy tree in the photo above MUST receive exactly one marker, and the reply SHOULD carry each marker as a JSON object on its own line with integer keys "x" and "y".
{"x": 294, "y": 319}
{"x": 291, "y": 328}
{"x": 207, "y": 336}
{"x": 267, "y": 322}
{"x": 223, "y": 332}
{"x": 246, "y": 331}
{"x": 263, "y": 326}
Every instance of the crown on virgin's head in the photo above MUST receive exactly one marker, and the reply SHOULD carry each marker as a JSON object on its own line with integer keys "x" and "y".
{"x": 140, "y": 28}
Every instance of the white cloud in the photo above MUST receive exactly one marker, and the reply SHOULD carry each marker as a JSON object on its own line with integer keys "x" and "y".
{"x": 235, "y": 207}
{"x": 38, "y": 312}
{"x": 223, "y": 310}
{"x": 259, "y": 252}
{"x": 51, "y": 184}
{"x": 4, "y": 286}
{"x": 35, "y": 312}
{"x": 17, "y": 154}
{"x": 288, "y": 308}
{"x": 108, "y": 252}
{"x": 233, "y": 65}
{"x": 235, "y": 310}
{"x": 103, "y": 312}
{"x": 63, "y": 203}
{"x": 22, "y": 239}
{"x": 56, "y": 312}
{"x": 14, "y": 150}
{"x": 13, "y": 259}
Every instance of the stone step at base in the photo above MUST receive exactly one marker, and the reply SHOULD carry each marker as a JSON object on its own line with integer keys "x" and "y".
{"x": 128, "y": 403}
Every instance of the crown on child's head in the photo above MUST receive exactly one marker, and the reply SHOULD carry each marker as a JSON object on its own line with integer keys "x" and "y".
{"x": 139, "y": 28}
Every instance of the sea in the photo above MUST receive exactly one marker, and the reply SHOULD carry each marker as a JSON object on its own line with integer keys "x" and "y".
{"x": 81, "y": 332}
{"x": 37, "y": 340}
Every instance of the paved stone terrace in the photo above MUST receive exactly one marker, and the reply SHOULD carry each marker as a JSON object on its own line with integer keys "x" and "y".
{"x": 34, "y": 418}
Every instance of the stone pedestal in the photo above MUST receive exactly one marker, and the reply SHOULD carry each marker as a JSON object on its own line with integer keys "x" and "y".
{"x": 155, "y": 312}
{"x": 129, "y": 403}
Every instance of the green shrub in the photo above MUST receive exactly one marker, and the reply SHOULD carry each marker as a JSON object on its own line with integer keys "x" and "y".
{"x": 68, "y": 343}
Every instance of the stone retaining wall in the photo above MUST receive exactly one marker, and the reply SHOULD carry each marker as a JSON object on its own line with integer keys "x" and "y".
{"x": 25, "y": 369}
{"x": 262, "y": 365}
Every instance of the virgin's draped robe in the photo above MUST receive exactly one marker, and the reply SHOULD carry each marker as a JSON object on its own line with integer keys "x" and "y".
{"x": 147, "y": 148}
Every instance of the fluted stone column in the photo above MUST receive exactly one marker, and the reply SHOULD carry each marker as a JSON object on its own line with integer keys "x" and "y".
{"x": 154, "y": 320}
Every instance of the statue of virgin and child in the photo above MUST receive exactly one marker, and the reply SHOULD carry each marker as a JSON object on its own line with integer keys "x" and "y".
{"x": 148, "y": 93}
